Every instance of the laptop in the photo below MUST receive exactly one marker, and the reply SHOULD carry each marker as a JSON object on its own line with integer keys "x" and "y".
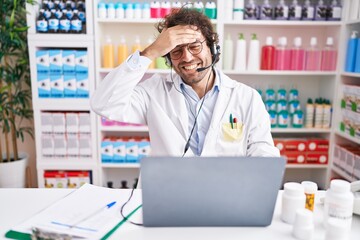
{"x": 210, "y": 191}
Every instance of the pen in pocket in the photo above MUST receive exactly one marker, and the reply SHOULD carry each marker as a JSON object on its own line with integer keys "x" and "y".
{"x": 231, "y": 121}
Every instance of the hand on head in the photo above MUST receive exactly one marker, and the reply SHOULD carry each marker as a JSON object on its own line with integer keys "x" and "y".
{"x": 169, "y": 38}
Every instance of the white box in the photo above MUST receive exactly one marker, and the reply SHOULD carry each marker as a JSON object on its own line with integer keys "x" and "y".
{"x": 43, "y": 85}
{"x": 119, "y": 151}
{"x": 84, "y": 122}
{"x": 59, "y": 122}
{"x": 85, "y": 146}
{"x": 47, "y": 145}
{"x": 42, "y": 62}
{"x": 60, "y": 143}
{"x": 72, "y": 122}
{"x": 57, "y": 86}
{"x": 72, "y": 146}
{"x": 46, "y": 122}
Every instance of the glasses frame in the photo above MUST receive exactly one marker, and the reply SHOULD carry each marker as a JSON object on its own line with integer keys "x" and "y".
{"x": 188, "y": 48}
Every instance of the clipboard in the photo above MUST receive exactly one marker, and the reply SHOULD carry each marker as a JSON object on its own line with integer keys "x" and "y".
{"x": 77, "y": 205}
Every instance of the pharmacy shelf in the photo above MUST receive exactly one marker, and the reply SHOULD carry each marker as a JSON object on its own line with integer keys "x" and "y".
{"x": 351, "y": 22}
{"x": 347, "y": 136}
{"x": 61, "y": 164}
{"x": 63, "y": 38}
{"x": 118, "y": 128}
{"x": 304, "y": 166}
{"x": 300, "y": 130}
{"x": 57, "y": 104}
{"x": 341, "y": 173}
{"x": 135, "y": 21}
{"x": 281, "y": 73}
{"x": 120, "y": 165}
{"x": 349, "y": 74}
{"x": 273, "y": 23}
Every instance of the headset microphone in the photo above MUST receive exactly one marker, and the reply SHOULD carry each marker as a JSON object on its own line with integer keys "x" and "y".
{"x": 212, "y": 64}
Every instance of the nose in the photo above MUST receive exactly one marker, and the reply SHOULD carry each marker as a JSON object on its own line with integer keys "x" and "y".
{"x": 186, "y": 55}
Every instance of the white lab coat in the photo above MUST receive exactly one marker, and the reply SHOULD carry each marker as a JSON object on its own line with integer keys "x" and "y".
{"x": 155, "y": 102}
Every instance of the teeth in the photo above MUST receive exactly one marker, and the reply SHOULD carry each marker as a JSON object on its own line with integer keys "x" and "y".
{"x": 191, "y": 67}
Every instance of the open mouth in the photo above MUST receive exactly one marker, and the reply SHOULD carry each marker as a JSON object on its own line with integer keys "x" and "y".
{"x": 191, "y": 67}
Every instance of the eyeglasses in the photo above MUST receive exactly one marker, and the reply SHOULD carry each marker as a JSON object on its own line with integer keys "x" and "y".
{"x": 194, "y": 48}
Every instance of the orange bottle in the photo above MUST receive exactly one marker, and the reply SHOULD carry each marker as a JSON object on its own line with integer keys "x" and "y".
{"x": 122, "y": 51}
{"x": 108, "y": 54}
{"x": 136, "y": 45}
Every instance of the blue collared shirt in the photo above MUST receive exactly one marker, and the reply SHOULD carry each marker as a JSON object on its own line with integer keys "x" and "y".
{"x": 193, "y": 104}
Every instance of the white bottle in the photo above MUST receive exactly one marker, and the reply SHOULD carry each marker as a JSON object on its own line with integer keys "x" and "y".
{"x": 137, "y": 11}
{"x": 110, "y": 11}
{"x": 254, "y": 54}
{"x": 240, "y": 57}
{"x": 146, "y": 11}
{"x": 229, "y": 8}
{"x": 238, "y": 11}
{"x": 228, "y": 53}
{"x": 309, "y": 118}
{"x": 129, "y": 11}
{"x": 327, "y": 115}
{"x": 293, "y": 198}
{"x": 119, "y": 11}
{"x": 319, "y": 113}
{"x": 339, "y": 201}
{"x": 102, "y": 10}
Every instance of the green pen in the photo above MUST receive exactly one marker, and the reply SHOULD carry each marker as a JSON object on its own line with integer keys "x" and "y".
{"x": 231, "y": 121}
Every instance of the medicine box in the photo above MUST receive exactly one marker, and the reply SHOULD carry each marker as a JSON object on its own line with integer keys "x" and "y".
{"x": 76, "y": 179}
{"x": 132, "y": 155}
{"x": 317, "y": 158}
{"x": 72, "y": 146}
{"x": 318, "y": 145}
{"x": 59, "y": 122}
{"x": 81, "y": 62}
{"x": 47, "y": 146}
{"x": 46, "y": 122}
{"x": 107, "y": 150}
{"x": 70, "y": 89}
{"x": 55, "y": 179}
{"x": 42, "y": 62}
{"x": 84, "y": 122}
{"x": 356, "y": 171}
{"x": 295, "y": 157}
{"x": 82, "y": 86}
{"x": 72, "y": 122}
{"x": 85, "y": 150}
{"x": 56, "y": 64}
{"x": 57, "y": 86}
{"x": 119, "y": 151}
{"x": 68, "y": 58}
{"x": 60, "y": 145}
{"x": 144, "y": 148}
{"x": 295, "y": 145}
{"x": 43, "y": 85}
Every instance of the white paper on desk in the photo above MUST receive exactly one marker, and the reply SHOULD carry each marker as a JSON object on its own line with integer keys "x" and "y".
{"x": 80, "y": 204}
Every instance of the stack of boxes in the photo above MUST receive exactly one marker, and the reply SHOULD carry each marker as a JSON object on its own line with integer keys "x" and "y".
{"x": 62, "y": 73}
{"x": 66, "y": 179}
{"x": 66, "y": 135}
{"x": 350, "y": 105}
{"x": 124, "y": 150}
{"x": 303, "y": 151}
{"x": 347, "y": 161}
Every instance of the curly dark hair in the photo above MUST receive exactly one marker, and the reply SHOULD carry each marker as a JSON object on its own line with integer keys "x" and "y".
{"x": 187, "y": 16}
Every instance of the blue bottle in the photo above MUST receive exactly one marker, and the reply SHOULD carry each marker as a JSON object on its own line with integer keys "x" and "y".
{"x": 357, "y": 60}
{"x": 351, "y": 52}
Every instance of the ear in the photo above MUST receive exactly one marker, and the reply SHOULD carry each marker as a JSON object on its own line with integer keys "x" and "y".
{"x": 168, "y": 60}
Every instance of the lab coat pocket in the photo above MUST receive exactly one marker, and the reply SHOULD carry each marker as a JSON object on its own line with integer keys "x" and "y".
{"x": 232, "y": 134}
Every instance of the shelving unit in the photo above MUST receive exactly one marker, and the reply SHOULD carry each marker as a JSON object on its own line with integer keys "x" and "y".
{"x": 36, "y": 42}
{"x": 309, "y": 83}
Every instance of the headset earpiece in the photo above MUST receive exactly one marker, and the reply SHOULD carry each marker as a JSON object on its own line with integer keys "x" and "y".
{"x": 215, "y": 51}
{"x": 168, "y": 60}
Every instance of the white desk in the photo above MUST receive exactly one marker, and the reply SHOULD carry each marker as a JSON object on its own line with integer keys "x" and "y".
{"x": 16, "y": 205}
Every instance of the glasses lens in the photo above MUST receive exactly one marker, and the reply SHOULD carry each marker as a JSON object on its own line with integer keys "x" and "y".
{"x": 195, "y": 48}
{"x": 176, "y": 53}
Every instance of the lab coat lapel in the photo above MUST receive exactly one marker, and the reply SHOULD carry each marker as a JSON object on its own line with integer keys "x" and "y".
{"x": 179, "y": 115}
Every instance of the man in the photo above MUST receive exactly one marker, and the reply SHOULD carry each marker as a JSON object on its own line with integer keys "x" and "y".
{"x": 195, "y": 111}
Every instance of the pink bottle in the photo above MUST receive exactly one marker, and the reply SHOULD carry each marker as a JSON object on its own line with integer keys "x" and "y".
{"x": 329, "y": 56}
{"x": 155, "y": 9}
{"x": 297, "y": 61}
{"x": 313, "y": 56}
{"x": 282, "y": 55}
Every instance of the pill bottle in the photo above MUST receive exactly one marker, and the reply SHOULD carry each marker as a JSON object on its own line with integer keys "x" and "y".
{"x": 310, "y": 189}
{"x": 293, "y": 198}
{"x": 339, "y": 201}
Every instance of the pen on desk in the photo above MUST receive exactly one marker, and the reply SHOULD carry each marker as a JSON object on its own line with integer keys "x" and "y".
{"x": 231, "y": 121}
{"x": 93, "y": 214}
